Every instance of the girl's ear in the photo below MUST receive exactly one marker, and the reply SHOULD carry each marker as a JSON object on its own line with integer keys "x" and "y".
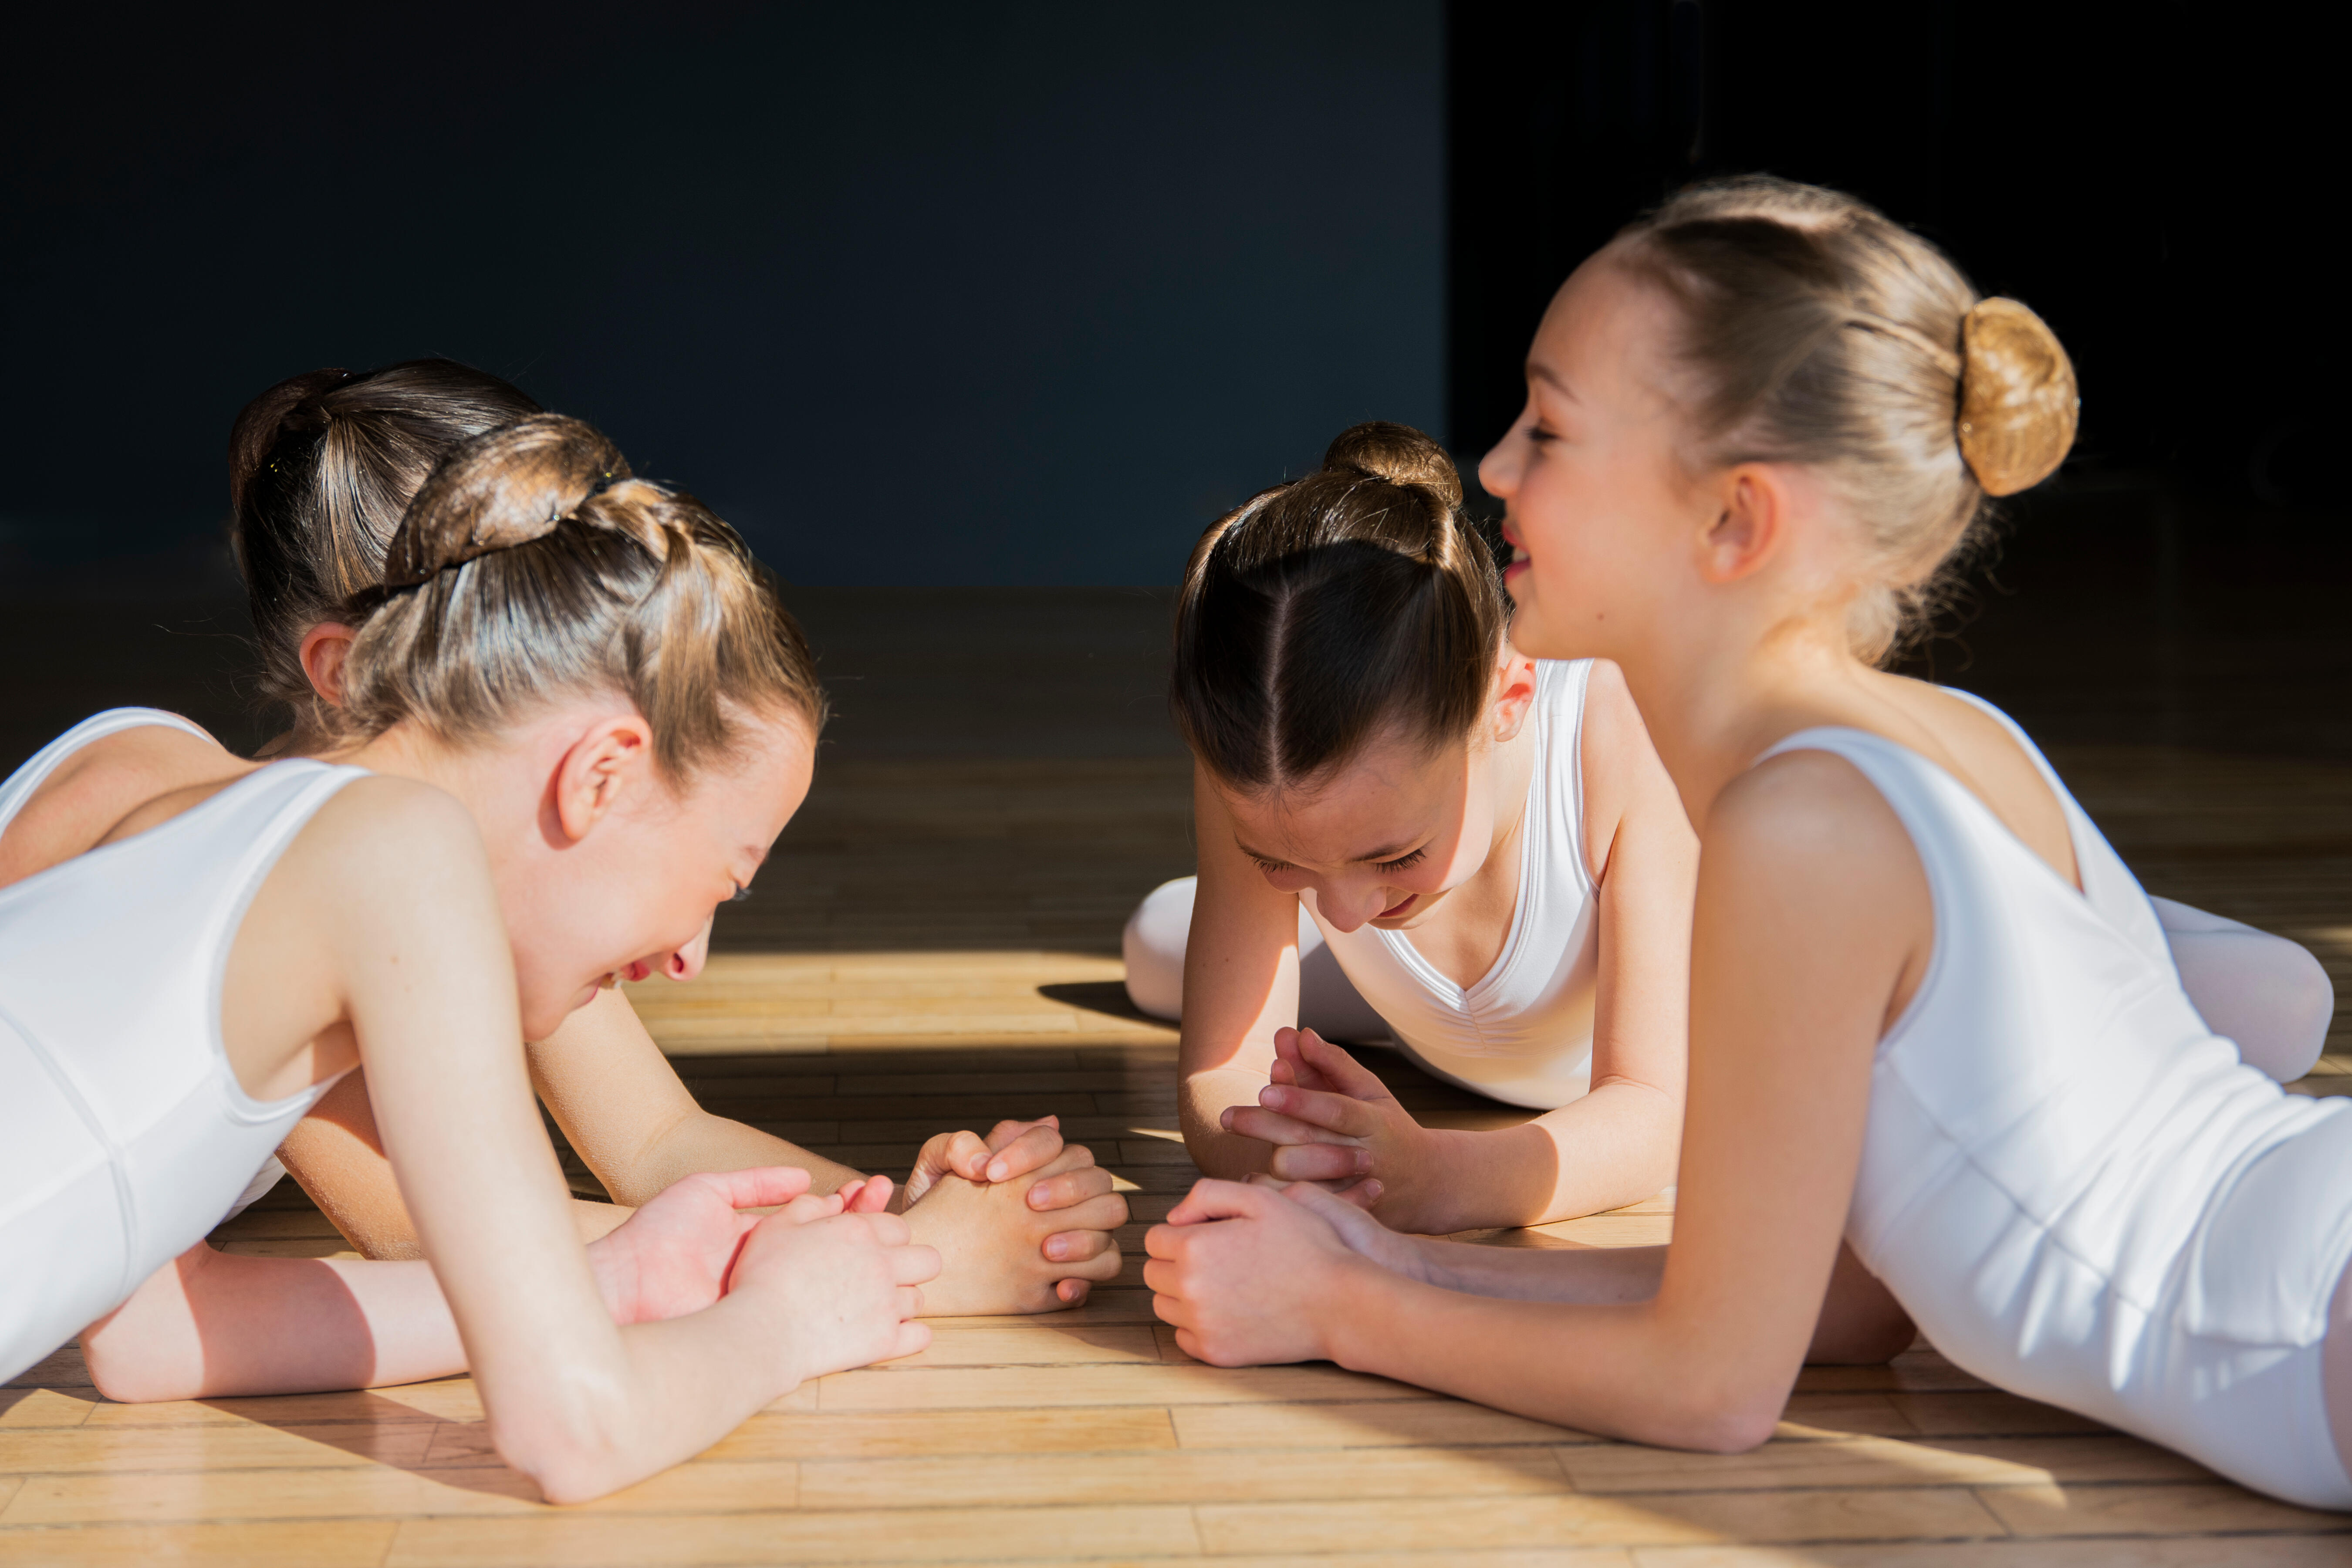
{"x": 1515, "y": 691}
{"x": 1752, "y": 526}
{"x": 604, "y": 765}
{"x": 324, "y": 648}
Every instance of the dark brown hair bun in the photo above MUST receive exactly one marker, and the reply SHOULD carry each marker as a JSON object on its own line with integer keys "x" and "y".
{"x": 1347, "y": 606}
{"x": 1397, "y": 453}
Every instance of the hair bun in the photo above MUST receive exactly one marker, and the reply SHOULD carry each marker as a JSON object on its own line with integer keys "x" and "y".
{"x": 1397, "y": 453}
{"x": 503, "y": 487}
{"x": 2019, "y": 403}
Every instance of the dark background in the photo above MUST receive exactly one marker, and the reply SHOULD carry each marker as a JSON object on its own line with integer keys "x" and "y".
{"x": 996, "y": 300}
{"x": 910, "y": 293}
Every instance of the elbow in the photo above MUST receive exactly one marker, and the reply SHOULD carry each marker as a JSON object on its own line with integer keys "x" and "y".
{"x": 570, "y": 1461}
{"x": 565, "y": 1472}
{"x": 1728, "y": 1416}
{"x": 129, "y": 1373}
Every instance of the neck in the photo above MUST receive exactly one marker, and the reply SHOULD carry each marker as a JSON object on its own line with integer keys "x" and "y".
{"x": 1714, "y": 706}
{"x": 1511, "y": 771}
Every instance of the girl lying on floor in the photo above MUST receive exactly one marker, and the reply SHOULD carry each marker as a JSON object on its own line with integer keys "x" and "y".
{"x": 1484, "y": 843}
{"x": 1408, "y": 828}
{"x": 322, "y": 467}
{"x": 575, "y": 719}
{"x": 1943, "y": 1068}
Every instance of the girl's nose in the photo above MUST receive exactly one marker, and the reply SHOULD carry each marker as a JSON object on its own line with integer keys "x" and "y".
{"x": 1498, "y": 473}
{"x": 686, "y": 962}
{"x": 1349, "y": 910}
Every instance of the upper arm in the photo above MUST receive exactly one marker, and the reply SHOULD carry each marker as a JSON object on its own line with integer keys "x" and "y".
{"x": 398, "y": 887}
{"x": 1240, "y": 960}
{"x": 1812, "y": 913}
{"x": 1645, "y": 856}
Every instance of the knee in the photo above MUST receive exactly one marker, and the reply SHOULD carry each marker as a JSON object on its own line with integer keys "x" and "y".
{"x": 1153, "y": 947}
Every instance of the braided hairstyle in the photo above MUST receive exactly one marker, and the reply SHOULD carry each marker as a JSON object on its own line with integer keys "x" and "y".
{"x": 321, "y": 468}
{"x": 1353, "y": 604}
{"x": 532, "y": 564}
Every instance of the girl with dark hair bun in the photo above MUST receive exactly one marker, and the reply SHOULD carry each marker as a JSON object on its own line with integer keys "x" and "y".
{"x": 1409, "y": 829}
{"x": 1946, "y": 1074}
{"x": 322, "y": 467}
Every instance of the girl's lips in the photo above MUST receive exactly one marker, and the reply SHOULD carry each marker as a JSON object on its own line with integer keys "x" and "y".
{"x": 1403, "y": 904}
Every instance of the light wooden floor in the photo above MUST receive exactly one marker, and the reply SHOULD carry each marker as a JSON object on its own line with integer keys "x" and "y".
{"x": 967, "y": 971}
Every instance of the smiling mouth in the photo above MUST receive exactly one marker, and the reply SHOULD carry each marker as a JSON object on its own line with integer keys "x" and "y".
{"x": 1399, "y": 908}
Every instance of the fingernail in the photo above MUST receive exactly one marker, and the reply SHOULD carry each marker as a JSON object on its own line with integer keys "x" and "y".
{"x": 1056, "y": 1248}
{"x": 997, "y": 1172}
{"x": 1225, "y": 1118}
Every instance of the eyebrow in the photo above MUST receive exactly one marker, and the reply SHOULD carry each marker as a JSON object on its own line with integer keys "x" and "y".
{"x": 1538, "y": 371}
{"x": 1386, "y": 852}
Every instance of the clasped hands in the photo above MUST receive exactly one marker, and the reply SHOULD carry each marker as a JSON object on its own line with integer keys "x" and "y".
{"x": 1333, "y": 1122}
{"x": 1024, "y": 1220}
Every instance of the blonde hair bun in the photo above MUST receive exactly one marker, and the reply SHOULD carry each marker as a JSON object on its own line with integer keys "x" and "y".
{"x": 1398, "y": 454}
{"x": 2019, "y": 403}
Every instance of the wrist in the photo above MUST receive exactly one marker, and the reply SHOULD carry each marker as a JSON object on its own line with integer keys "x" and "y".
{"x": 1439, "y": 1184}
{"x": 1347, "y": 1332}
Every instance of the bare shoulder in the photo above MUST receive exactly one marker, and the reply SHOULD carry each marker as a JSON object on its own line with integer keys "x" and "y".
{"x": 392, "y": 833}
{"x": 1623, "y": 777}
{"x": 1808, "y": 819}
{"x": 93, "y": 792}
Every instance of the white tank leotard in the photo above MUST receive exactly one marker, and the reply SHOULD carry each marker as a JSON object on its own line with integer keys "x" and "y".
{"x": 1523, "y": 1034}
{"x": 124, "y": 1135}
{"x": 2077, "y": 1190}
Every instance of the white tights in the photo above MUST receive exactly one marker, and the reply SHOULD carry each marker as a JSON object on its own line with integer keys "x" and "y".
{"x": 2267, "y": 994}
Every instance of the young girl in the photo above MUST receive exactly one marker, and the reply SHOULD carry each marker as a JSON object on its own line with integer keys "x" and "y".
{"x": 577, "y": 718}
{"x": 1943, "y": 1071}
{"x": 1484, "y": 844}
{"x": 322, "y": 467}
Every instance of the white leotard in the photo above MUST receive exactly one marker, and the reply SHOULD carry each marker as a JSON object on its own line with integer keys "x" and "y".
{"x": 1523, "y": 1034}
{"x": 124, "y": 1135}
{"x": 2077, "y": 1190}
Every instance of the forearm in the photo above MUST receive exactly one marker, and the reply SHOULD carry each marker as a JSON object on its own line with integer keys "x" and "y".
{"x": 1616, "y": 1369}
{"x": 680, "y": 1386}
{"x": 1591, "y": 1275}
{"x": 701, "y": 1142}
{"x": 1204, "y": 1097}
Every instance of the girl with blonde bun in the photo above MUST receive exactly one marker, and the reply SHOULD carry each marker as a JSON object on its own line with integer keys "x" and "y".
{"x": 1942, "y": 1070}
{"x": 322, "y": 467}
{"x": 575, "y": 718}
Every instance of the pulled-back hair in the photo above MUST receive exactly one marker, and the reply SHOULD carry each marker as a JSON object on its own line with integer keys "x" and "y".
{"x": 531, "y": 565}
{"x": 1355, "y": 604}
{"x": 1819, "y": 331}
{"x": 320, "y": 469}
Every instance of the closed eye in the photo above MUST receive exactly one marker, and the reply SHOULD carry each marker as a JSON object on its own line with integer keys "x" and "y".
{"x": 1269, "y": 867}
{"x": 739, "y": 894}
{"x": 1403, "y": 862}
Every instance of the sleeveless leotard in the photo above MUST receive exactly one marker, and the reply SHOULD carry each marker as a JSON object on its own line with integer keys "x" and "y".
{"x": 2076, "y": 1190}
{"x": 124, "y": 1135}
{"x": 1523, "y": 1034}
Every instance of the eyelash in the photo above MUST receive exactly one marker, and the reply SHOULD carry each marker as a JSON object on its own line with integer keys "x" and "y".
{"x": 1402, "y": 863}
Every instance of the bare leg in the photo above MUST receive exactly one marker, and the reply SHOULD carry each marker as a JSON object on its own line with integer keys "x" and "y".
{"x": 2335, "y": 1371}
